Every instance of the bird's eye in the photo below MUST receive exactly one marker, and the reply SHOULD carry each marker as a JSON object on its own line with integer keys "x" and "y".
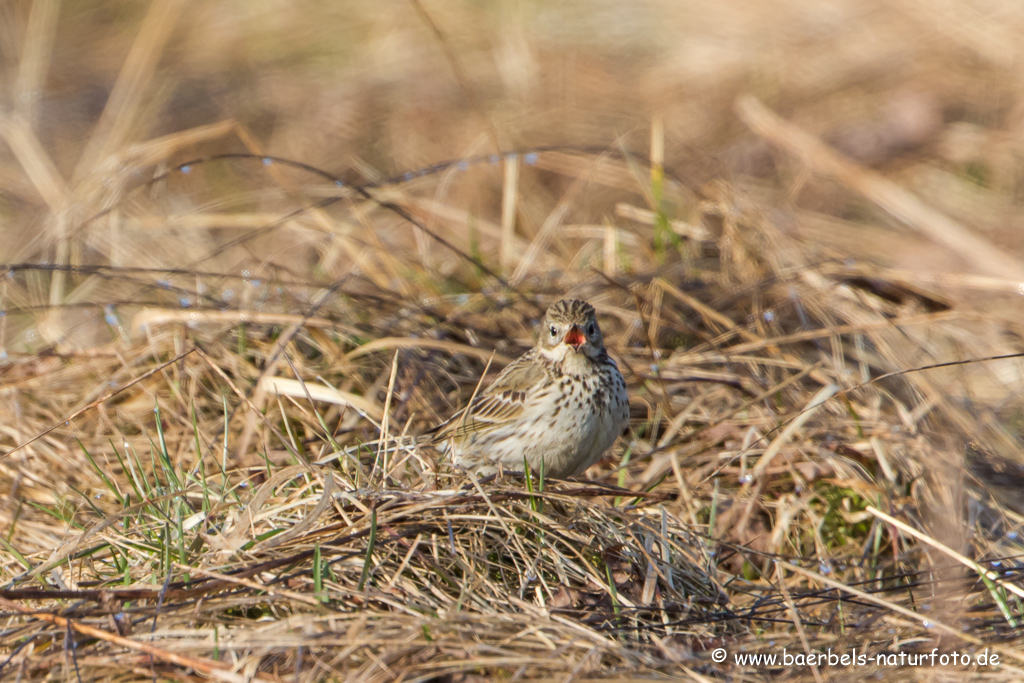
{"x": 590, "y": 330}
{"x": 554, "y": 330}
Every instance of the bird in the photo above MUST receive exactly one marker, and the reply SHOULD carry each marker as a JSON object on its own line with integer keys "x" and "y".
{"x": 559, "y": 407}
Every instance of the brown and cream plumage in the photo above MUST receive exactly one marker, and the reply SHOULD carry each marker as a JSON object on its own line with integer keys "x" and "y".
{"x": 562, "y": 403}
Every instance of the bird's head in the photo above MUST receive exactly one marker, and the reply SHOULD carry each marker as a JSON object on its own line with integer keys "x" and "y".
{"x": 570, "y": 326}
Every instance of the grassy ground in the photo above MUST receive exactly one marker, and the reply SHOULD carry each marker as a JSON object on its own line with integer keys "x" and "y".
{"x": 252, "y": 250}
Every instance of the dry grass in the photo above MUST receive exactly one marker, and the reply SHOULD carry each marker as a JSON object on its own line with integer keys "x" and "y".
{"x": 240, "y": 282}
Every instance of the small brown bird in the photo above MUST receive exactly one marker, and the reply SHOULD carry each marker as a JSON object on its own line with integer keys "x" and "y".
{"x": 562, "y": 403}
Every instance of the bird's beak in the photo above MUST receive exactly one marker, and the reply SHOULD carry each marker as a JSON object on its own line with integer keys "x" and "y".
{"x": 574, "y": 338}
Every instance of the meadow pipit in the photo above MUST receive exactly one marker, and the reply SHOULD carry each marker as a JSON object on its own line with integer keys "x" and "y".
{"x": 562, "y": 403}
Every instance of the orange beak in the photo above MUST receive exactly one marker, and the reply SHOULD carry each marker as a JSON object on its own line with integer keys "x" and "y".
{"x": 574, "y": 338}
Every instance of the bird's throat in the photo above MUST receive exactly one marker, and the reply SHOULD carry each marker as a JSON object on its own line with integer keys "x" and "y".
{"x": 577, "y": 363}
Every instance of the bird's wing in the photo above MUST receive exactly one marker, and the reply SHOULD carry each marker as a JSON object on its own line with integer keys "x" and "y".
{"x": 501, "y": 402}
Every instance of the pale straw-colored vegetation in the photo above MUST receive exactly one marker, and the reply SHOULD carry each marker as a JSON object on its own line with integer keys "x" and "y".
{"x": 251, "y": 250}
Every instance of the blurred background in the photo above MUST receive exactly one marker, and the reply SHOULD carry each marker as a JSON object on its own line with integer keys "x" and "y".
{"x": 925, "y": 93}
